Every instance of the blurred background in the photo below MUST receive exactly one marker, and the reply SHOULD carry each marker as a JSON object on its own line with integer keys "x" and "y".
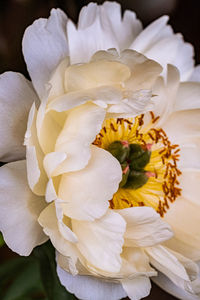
{"x": 16, "y": 15}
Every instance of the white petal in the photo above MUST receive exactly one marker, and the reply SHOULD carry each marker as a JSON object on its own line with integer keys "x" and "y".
{"x": 101, "y": 241}
{"x": 94, "y": 33}
{"x": 186, "y": 231}
{"x": 137, "y": 288}
{"x": 144, "y": 227}
{"x": 20, "y": 209}
{"x": 89, "y": 287}
{"x": 180, "y": 270}
{"x": 16, "y": 98}
{"x": 189, "y": 183}
{"x": 125, "y": 29}
{"x": 85, "y": 193}
{"x": 81, "y": 127}
{"x": 189, "y": 153}
{"x": 188, "y": 96}
{"x": 159, "y": 42}
{"x": 167, "y": 285}
{"x": 195, "y": 74}
{"x": 44, "y": 46}
{"x": 37, "y": 178}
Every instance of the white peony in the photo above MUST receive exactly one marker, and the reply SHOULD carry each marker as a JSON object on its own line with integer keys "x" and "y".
{"x": 112, "y": 154}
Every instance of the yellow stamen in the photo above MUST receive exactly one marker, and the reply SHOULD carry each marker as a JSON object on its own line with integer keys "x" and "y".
{"x": 162, "y": 188}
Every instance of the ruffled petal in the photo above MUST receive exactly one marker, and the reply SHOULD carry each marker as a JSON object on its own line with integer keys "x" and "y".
{"x": 100, "y": 242}
{"x": 144, "y": 227}
{"x": 195, "y": 74}
{"x": 81, "y": 127}
{"x": 157, "y": 41}
{"x": 86, "y": 193}
{"x": 94, "y": 33}
{"x": 44, "y": 46}
{"x": 16, "y": 98}
{"x": 137, "y": 288}
{"x": 20, "y": 209}
{"x": 89, "y": 287}
{"x": 180, "y": 270}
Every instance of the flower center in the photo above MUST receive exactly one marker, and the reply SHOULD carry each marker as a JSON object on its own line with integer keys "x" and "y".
{"x": 148, "y": 161}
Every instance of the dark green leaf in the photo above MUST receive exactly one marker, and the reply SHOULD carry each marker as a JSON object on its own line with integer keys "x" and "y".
{"x": 1, "y": 240}
{"x": 49, "y": 277}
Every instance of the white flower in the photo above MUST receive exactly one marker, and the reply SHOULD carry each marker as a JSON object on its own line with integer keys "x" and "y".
{"x": 104, "y": 179}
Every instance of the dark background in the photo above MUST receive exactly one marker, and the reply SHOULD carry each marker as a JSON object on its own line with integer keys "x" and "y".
{"x": 16, "y": 15}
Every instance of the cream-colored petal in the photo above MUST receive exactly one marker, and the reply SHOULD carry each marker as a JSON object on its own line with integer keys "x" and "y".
{"x": 20, "y": 209}
{"x": 144, "y": 227}
{"x": 89, "y": 287}
{"x": 183, "y": 217}
{"x": 101, "y": 241}
{"x": 104, "y": 94}
{"x": 45, "y": 45}
{"x": 137, "y": 288}
{"x": 189, "y": 153}
{"x": 188, "y": 96}
{"x": 51, "y": 220}
{"x": 95, "y": 74}
{"x": 81, "y": 127}
{"x": 86, "y": 193}
{"x": 182, "y": 125}
{"x": 94, "y": 32}
{"x": 16, "y": 98}
{"x": 179, "y": 269}
{"x": 195, "y": 74}
{"x": 37, "y": 177}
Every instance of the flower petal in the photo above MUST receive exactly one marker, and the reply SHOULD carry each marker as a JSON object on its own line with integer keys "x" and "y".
{"x": 137, "y": 288}
{"x": 44, "y": 46}
{"x": 52, "y": 221}
{"x": 37, "y": 177}
{"x": 20, "y": 209}
{"x": 187, "y": 231}
{"x": 94, "y": 33}
{"x": 157, "y": 41}
{"x": 89, "y": 287}
{"x": 144, "y": 227}
{"x": 85, "y": 193}
{"x": 188, "y": 96}
{"x": 195, "y": 74}
{"x": 167, "y": 285}
{"x": 81, "y": 127}
{"x": 16, "y": 98}
{"x": 179, "y": 269}
{"x": 101, "y": 241}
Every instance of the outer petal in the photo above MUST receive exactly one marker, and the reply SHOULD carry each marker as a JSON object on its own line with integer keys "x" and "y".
{"x": 37, "y": 178}
{"x": 16, "y": 98}
{"x": 166, "y": 284}
{"x": 20, "y": 209}
{"x": 195, "y": 74}
{"x": 137, "y": 288}
{"x": 90, "y": 288}
{"x": 101, "y": 241}
{"x": 94, "y": 33}
{"x": 44, "y": 46}
{"x": 180, "y": 270}
{"x": 159, "y": 42}
{"x": 85, "y": 193}
{"x": 144, "y": 227}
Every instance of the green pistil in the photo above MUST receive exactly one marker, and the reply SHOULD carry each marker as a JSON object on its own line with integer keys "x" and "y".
{"x": 133, "y": 159}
